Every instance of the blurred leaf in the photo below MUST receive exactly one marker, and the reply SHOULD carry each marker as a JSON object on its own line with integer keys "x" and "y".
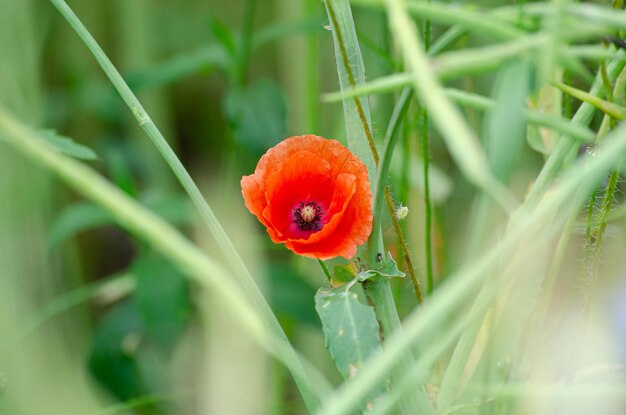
{"x": 280, "y": 29}
{"x": 258, "y": 115}
{"x": 82, "y": 217}
{"x": 538, "y": 138}
{"x": 440, "y": 183}
{"x": 388, "y": 269}
{"x": 223, "y": 35}
{"x": 350, "y": 329}
{"x": 112, "y": 359}
{"x": 162, "y": 299}
{"x": 179, "y": 67}
{"x": 290, "y": 295}
{"x": 67, "y": 146}
{"x": 75, "y": 219}
{"x": 505, "y": 125}
{"x": 343, "y": 274}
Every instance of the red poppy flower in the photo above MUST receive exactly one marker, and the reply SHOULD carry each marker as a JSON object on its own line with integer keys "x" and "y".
{"x": 313, "y": 195}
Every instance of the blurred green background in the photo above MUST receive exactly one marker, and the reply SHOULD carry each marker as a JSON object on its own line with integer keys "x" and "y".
{"x": 94, "y": 322}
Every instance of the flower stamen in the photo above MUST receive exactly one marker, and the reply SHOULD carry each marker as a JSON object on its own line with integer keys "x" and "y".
{"x": 308, "y": 216}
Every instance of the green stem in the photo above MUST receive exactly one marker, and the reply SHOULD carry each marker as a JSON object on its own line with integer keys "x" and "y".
{"x": 609, "y": 108}
{"x": 246, "y": 37}
{"x": 379, "y": 293}
{"x": 325, "y": 269}
{"x": 241, "y": 271}
{"x": 381, "y": 190}
{"x": 428, "y": 238}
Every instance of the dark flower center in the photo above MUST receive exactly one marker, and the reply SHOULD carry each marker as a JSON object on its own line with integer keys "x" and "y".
{"x": 308, "y": 216}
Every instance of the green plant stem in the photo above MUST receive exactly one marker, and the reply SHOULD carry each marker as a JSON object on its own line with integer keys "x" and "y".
{"x": 379, "y": 293}
{"x": 166, "y": 240}
{"x": 325, "y": 269}
{"x": 241, "y": 271}
{"x": 391, "y": 139}
{"x": 428, "y": 238}
{"x": 609, "y": 108}
{"x": 243, "y": 53}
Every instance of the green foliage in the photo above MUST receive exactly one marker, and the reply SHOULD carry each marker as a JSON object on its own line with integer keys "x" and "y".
{"x": 386, "y": 268}
{"x": 257, "y": 114}
{"x": 163, "y": 302}
{"x": 350, "y": 329}
{"x": 504, "y": 123}
{"x": 291, "y": 295}
{"x": 343, "y": 274}
{"x": 67, "y": 146}
{"x": 113, "y": 354}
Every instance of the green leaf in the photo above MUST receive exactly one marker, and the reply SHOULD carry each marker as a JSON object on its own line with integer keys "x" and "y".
{"x": 505, "y": 126}
{"x": 343, "y": 274}
{"x": 67, "y": 146}
{"x": 113, "y": 357}
{"x": 388, "y": 269}
{"x": 258, "y": 115}
{"x": 350, "y": 329}
{"x": 162, "y": 300}
{"x": 223, "y": 35}
{"x": 179, "y": 67}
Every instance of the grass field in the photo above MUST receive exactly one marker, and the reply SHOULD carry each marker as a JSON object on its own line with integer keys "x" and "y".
{"x": 490, "y": 275}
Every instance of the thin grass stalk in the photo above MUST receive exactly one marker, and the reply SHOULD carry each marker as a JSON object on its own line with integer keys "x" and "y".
{"x": 380, "y": 193}
{"x": 428, "y": 239}
{"x": 241, "y": 272}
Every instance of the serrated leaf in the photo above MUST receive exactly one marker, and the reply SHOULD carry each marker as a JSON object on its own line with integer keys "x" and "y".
{"x": 350, "y": 329}
{"x": 388, "y": 269}
{"x": 343, "y": 274}
{"x": 67, "y": 146}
